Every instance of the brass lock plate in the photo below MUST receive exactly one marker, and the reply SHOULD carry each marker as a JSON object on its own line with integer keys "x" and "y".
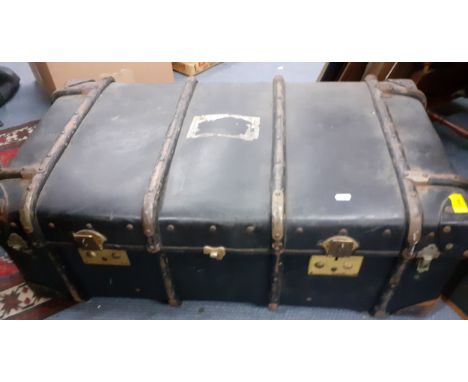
{"x": 320, "y": 265}
{"x": 104, "y": 257}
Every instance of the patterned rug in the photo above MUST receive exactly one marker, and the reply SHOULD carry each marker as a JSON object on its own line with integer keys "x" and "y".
{"x": 11, "y": 139}
{"x": 17, "y": 300}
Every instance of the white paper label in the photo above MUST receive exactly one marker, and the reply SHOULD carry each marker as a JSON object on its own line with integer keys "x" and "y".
{"x": 249, "y": 126}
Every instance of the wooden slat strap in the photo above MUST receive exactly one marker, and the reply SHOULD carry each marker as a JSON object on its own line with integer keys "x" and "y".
{"x": 407, "y": 187}
{"x": 158, "y": 177}
{"x": 278, "y": 212}
{"x": 156, "y": 185}
{"x": 28, "y": 206}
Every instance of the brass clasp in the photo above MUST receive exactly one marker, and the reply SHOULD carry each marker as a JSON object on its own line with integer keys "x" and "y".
{"x": 338, "y": 259}
{"x": 216, "y": 253}
{"x": 340, "y": 246}
{"x": 91, "y": 248}
{"x": 89, "y": 239}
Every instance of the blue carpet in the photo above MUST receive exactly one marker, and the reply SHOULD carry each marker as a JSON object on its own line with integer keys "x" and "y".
{"x": 126, "y": 308}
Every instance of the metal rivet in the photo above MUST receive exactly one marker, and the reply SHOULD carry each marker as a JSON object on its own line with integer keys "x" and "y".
{"x": 13, "y": 224}
{"x": 343, "y": 231}
{"x": 448, "y": 209}
{"x": 347, "y": 265}
{"x": 129, "y": 226}
{"x": 91, "y": 254}
{"x": 51, "y": 225}
{"x": 250, "y": 229}
{"x": 319, "y": 264}
{"x": 387, "y": 233}
{"x": 212, "y": 228}
{"x": 465, "y": 253}
{"x": 115, "y": 255}
{"x": 449, "y": 246}
{"x": 447, "y": 229}
{"x": 300, "y": 230}
{"x": 89, "y": 225}
{"x": 170, "y": 228}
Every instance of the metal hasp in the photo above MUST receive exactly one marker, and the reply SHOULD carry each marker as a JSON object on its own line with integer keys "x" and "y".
{"x": 340, "y": 246}
{"x": 89, "y": 239}
{"x": 17, "y": 243}
{"x": 425, "y": 257}
{"x": 408, "y": 190}
{"x": 156, "y": 185}
{"x": 28, "y": 205}
{"x": 91, "y": 248}
{"x": 278, "y": 212}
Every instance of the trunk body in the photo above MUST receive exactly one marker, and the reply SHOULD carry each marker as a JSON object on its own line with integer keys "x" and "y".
{"x": 325, "y": 194}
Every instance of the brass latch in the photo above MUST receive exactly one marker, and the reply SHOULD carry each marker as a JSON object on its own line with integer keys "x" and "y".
{"x": 340, "y": 246}
{"x": 214, "y": 252}
{"x": 338, "y": 259}
{"x": 91, "y": 248}
{"x": 16, "y": 242}
{"x": 89, "y": 239}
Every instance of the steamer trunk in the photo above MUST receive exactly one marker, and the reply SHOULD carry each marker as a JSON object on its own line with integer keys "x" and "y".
{"x": 326, "y": 194}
